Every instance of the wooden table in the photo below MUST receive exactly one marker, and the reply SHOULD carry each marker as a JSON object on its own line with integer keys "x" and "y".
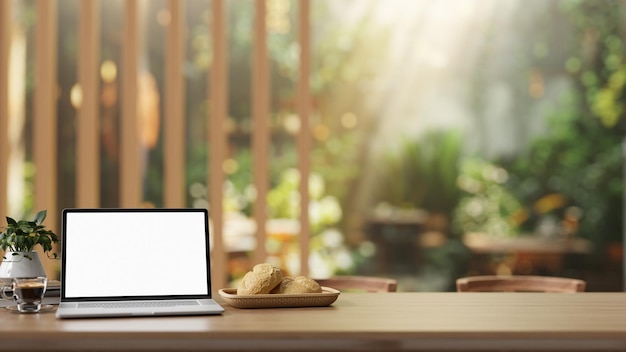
{"x": 527, "y": 254}
{"x": 364, "y": 322}
{"x": 486, "y": 244}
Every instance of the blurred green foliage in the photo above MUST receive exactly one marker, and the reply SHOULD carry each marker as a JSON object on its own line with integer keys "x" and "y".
{"x": 422, "y": 172}
{"x": 598, "y": 65}
{"x": 488, "y": 205}
{"x": 581, "y": 157}
{"x": 573, "y": 174}
{"x": 581, "y": 160}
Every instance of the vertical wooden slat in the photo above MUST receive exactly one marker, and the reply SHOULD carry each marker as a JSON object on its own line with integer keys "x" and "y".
{"x": 174, "y": 151}
{"x": 218, "y": 98}
{"x": 304, "y": 136}
{"x": 130, "y": 160}
{"x": 5, "y": 27}
{"x": 260, "y": 121}
{"x": 88, "y": 121}
{"x": 45, "y": 117}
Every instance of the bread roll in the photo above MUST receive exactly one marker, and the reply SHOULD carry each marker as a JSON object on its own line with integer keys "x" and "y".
{"x": 262, "y": 279}
{"x": 298, "y": 284}
{"x": 280, "y": 288}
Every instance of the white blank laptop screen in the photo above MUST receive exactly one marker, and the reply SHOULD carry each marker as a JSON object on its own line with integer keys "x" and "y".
{"x": 135, "y": 253}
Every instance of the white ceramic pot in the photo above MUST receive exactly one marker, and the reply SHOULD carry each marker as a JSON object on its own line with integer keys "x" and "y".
{"x": 24, "y": 264}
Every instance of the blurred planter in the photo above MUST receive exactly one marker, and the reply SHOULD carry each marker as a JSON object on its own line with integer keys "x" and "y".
{"x": 20, "y": 264}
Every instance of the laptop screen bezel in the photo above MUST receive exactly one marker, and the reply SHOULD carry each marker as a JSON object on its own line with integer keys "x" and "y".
{"x": 64, "y": 239}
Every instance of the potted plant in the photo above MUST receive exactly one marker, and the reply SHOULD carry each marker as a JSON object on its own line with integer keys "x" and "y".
{"x": 18, "y": 240}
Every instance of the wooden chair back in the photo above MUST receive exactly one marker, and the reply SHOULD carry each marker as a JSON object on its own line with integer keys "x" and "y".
{"x": 360, "y": 283}
{"x": 519, "y": 283}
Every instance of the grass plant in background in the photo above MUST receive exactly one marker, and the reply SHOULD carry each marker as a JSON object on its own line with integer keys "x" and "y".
{"x": 422, "y": 173}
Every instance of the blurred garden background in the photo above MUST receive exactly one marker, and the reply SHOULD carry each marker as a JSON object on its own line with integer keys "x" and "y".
{"x": 449, "y": 137}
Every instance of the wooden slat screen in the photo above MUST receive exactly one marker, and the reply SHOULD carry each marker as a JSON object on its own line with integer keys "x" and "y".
{"x": 5, "y": 28}
{"x": 174, "y": 102}
{"x": 88, "y": 115}
{"x": 131, "y": 163}
{"x": 260, "y": 122}
{"x": 218, "y": 102}
{"x": 304, "y": 137}
{"x": 45, "y": 116}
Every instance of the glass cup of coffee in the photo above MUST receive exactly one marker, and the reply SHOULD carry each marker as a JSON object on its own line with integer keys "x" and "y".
{"x": 27, "y": 292}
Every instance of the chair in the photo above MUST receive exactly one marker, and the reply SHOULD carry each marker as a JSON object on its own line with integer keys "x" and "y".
{"x": 360, "y": 283}
{"x": 519, "y": 283}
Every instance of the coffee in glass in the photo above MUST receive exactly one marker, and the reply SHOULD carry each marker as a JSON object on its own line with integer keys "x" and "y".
{"x": 27, "y": 293}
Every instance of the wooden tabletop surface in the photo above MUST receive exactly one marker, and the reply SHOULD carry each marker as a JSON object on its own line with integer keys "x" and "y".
{"x": 486, "y": 244}
{"x": 356, "y": 321}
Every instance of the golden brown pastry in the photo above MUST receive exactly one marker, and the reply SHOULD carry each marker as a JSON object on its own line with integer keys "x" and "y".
{"x": 280, "y": 288}
{"x": 298, "y": 284}
{"x": 262, "y": 279}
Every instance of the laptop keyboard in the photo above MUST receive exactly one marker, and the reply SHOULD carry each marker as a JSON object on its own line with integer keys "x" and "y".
{"x": 137, "y": 304}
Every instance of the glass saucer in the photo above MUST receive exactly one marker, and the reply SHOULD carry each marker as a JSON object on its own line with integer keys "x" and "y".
{"x": 44, "y": 308}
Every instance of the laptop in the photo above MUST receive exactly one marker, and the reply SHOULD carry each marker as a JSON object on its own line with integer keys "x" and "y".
{"x": 135, "y": 262}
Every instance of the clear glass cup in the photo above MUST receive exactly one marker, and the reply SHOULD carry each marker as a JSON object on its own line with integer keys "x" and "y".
{"x": 27, "y": 292}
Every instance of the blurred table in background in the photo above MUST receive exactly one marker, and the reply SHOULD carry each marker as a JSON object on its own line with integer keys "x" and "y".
{"x": 523, "y": 254}
{"x": 395, "y": 239}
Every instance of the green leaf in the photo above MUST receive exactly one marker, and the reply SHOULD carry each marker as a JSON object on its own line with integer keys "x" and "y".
{"x": 11, "y": 221}
{"x": 40, "y": 216}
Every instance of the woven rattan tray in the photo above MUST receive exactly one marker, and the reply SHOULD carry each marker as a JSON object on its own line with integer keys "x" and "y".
{"x": 279, "y": 300}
